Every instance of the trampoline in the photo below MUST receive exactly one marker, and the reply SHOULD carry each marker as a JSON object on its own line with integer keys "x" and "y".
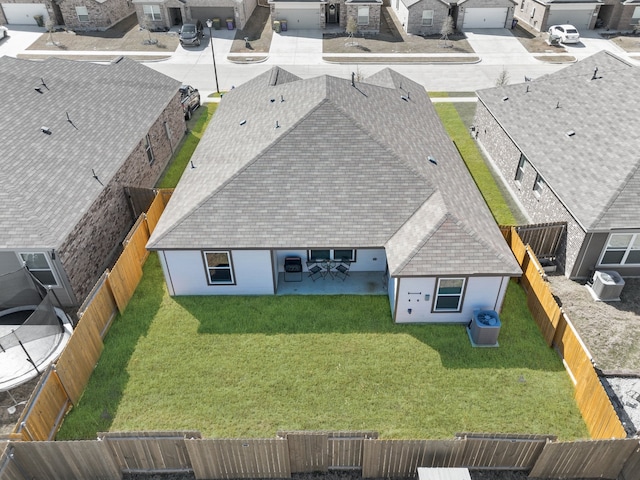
{"x": 33, "y": 332}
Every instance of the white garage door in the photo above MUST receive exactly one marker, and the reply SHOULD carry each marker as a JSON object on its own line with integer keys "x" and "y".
{"x": 300, "y": 18}
{"x": 23, "y": 13}
{"x": 578, "y": 18}
{"x": 484, "y": 17}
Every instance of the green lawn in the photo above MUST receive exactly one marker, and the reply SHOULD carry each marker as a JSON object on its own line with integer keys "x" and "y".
{"x": 249, "y": 366}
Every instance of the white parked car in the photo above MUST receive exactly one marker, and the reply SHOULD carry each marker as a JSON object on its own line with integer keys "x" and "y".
{"x": 4, "y": 33}
{"x": 567, "y": 33}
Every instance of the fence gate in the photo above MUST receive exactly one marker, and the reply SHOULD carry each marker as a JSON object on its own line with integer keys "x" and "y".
{"x": 308, "y": 451}
{"x": 543, "y": 238}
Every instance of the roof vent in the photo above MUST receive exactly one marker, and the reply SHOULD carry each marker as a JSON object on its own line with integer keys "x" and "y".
{"x": 277, "y": 124}
{"x": 432, "y": 160}
{"x": 527, "y": 79}
{"x": 281, "y": 98}
{"x": 570, "y": 133}
{"x": 45, "y": 130}
{"x": 272, "y": 100}
{"x": 595, "y": 74}
{"x": 504, "y": 99}
{"x": 353, "y": 79}
{"x": 243, "y": 122}
{"x": 38, "y": 89}
{"x": 527, "y": 89}
{"x": 192, "y": 165}
{"x": 558, "y": 105}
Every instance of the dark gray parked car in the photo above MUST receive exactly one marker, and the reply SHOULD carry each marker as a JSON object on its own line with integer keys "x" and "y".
{"x": 191, "y": 34}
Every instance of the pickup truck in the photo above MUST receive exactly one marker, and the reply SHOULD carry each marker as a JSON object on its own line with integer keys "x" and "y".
{"x": 190, "y": 98}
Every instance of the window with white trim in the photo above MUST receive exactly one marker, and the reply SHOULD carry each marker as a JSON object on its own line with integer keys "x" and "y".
{"x": 148, "y": 150}
{"x": 449, "y": 295}
{"x": 38, "y": 264}
{"x": 427, "y": 18}
{"x": 636, "y": 14}
{"x": 219, "y": 268}
{"x": 152, "y": 12}
{"x": 622, "y": 249}
{"x": 327, "y": 254}
{"x": 522, "y": 164}
{"x": 83, "y": 14}
{"x": 538, "y": 186}
{"x": 363, "y": 15}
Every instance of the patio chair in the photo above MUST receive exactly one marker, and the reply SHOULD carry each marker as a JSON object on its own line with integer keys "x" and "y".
{"x": 314, "y": 270}
{"x": 342, "y": 270}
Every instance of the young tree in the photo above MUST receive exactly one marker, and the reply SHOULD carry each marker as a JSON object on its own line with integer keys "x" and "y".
{"x": 50, "y": 26}
{"x": 351, "y": 29}
{"x": 446, "y": 30}
{"x": 503, "y": 78}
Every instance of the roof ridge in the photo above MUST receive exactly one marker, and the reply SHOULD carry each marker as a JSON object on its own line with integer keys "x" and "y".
{"x": 619, "y": 192}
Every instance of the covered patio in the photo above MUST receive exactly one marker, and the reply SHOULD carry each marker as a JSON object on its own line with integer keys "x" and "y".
{"x": 356, "y": 283}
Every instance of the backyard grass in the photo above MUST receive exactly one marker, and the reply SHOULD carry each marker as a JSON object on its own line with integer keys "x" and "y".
{"x": 246, "y": 367}
{"x": 197, "y": 125}
{"x": 459, "y": 133}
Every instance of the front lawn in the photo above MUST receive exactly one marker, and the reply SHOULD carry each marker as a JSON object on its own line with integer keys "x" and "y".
{"x": 250, "y": 366}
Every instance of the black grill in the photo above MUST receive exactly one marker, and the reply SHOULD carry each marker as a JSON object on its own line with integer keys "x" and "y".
{"x": 292, "y": 269}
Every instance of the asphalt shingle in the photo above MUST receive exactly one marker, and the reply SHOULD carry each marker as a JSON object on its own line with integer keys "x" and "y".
{"x": 346, "y": 167}
{"x": 97, "y": 114}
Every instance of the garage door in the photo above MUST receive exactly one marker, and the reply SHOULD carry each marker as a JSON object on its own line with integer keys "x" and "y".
{"x": 578, "y": 18}
{"x": 205, "y": 13}
{"x": 484, "y": 17}
{"x": 23, "y": 13}
{"x": 300, "y": 18}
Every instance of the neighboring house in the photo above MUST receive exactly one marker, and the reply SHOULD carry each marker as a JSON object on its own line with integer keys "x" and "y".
{"x": 73, "y": 14}
{"x": 426, "y": 17}
{"x": 72, "y": 136}
{"x": 316, "y": 14}
{"x": 541, "y": 14}
{"x": 568, "y": 147}
{"x": 164, "y": 14}
{"x": 331, "y": 168}
{"x": 93, "y": 14}
{"x": 619, "y": 14}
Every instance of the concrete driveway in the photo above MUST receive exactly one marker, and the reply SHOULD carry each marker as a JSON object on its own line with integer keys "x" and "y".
{"x": 497, "y": 46}
{"x": 20, "y": 37}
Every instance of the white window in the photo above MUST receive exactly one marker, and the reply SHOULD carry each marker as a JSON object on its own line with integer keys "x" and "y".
{"x": 622, "y": 249}
{"x": 449, "y": 294}
{"x": 219, "y": 268}
{"x": 363, "y": 15}
{"x": 636, "y": 14}
{"x": 152, "y": 12}
{"x": 38, "y": 264}
{"x": 83, "y": 14}
{"x": 427, "y": 18}
{"x": 327, "y": 254}
{"x": 522, "y": 164}
{"x": 538, "y": 186}
{"x": 148, "y": 149}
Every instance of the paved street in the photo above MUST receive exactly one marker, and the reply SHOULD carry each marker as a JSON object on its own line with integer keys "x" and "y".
{"x": 301, "y": 53}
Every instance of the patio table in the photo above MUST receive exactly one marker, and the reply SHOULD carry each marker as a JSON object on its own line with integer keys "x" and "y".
{"x": 328, "y": 265}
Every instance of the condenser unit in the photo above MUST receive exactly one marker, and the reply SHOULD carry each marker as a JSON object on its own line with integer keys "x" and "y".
{"x": 607, "y": 285}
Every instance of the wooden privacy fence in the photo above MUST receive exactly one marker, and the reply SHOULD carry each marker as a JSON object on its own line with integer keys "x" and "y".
{"x": 558, "y": 331}
{"x": 185, "y": 452}
{"x": 63, "y": 383}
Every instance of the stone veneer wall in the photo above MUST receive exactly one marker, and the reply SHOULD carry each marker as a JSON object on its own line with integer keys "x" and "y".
{"x": 524, "y": 12}
{"x": 505, "y": 156}
{"x": 101, "y": 15}
{"x": 89, "y": 246}
{"x": 348, "y": 10}
{"x": 414, "y": 21}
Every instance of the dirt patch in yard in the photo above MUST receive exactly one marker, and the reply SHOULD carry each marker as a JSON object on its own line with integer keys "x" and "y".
{"x": 628, "y": 42}
{"x": 258, "y": 31}
{"x": 124, "y": 36}
{"x": 610, "y": 330}
{"x": 393, "y": 39}
{"x": 16, "y": 398}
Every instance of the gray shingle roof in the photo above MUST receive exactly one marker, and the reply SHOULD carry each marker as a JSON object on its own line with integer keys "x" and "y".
{"x": 596, "y": 172}
{"x": 346, "y": 168}
{"x": 47, "y": 180}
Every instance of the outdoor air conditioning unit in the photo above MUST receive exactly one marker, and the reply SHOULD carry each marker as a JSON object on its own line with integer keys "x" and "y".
{"x": 607, "y": 285}
{"x": 484, "y": 328}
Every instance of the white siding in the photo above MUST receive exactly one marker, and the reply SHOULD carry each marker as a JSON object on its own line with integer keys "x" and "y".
{"x": 480, "y": 293}
{"x": 185, "y": 273}
{"x": 367, "y": 260}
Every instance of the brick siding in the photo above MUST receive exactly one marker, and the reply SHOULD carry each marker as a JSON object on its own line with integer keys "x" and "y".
{"x": 101, "y": 15}
{"x": 92, "y": 243}
{"x": 505, "y": 156}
